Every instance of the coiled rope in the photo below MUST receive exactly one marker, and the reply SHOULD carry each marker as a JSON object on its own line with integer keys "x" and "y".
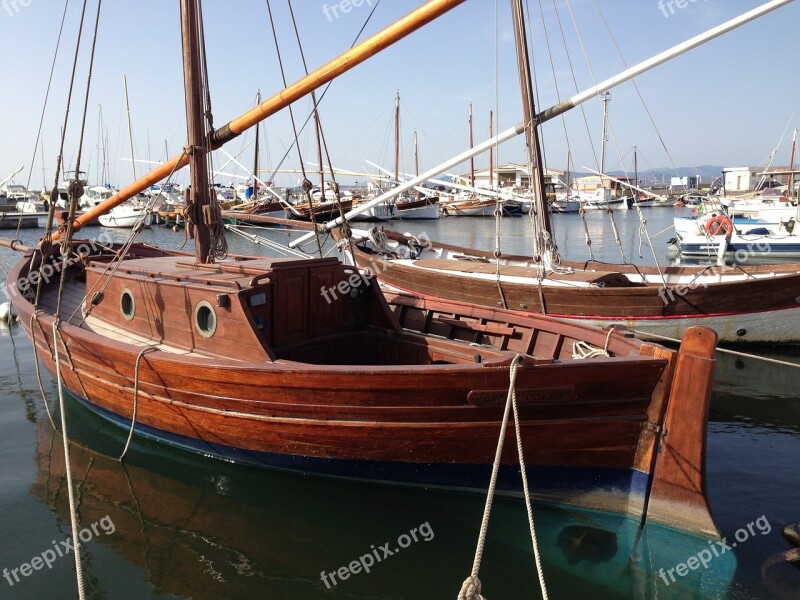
{"x": 471, "y": 588}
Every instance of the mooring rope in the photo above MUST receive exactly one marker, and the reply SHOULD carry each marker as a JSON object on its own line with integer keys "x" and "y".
{"x": 73, "y": 515}
{"x": 39, "y": 372}
{"x": 135, "y": 399}
{"x": 471, "y": 588}
{"x": 775, "y": 361}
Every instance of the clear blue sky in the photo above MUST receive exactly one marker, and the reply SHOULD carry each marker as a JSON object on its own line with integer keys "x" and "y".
{"x": 726, "y": 103}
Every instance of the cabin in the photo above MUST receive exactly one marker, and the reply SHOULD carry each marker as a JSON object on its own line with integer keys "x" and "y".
{"x": 315, "y": 311}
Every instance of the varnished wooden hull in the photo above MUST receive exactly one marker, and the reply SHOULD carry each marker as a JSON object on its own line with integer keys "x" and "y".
{"x": 430, "y": 424}
{"x": 759, "y": 308}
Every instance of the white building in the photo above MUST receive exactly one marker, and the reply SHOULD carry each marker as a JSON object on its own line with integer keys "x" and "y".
{"x": 508, "y": 175}
{"x": 738, "y": 179}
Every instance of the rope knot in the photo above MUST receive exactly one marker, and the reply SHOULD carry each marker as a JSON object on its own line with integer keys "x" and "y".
{"x": 75, "y": 189}
{"x": 471, "y": 589}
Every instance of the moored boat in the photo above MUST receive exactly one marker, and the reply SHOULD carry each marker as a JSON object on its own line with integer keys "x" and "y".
{"x": 275, "y": 363}
{"x": 301, "y": 364}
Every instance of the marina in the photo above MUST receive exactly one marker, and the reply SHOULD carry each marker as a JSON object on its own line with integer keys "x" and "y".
{"x": 532, "y": 382}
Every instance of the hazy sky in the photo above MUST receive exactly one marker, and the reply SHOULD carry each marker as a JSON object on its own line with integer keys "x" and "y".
{"x": 726, "y": 103}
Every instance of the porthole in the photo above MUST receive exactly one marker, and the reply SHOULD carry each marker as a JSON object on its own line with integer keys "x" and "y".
{"x": 205, "y": 319}
{"x": 127, "y": 305}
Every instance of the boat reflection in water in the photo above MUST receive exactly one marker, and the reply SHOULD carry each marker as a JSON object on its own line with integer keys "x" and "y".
{"x": 199, "y": 528}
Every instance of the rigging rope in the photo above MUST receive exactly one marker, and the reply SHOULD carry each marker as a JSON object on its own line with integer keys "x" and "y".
{"x": 44, "y": 110}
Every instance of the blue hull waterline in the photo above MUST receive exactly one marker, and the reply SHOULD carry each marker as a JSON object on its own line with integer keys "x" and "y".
{"x": 628, "y": 485}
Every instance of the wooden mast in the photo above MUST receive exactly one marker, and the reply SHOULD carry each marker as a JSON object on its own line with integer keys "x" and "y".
{"x": 403, "y": 27}
{"x": 529, "y": 112}
{"x": 197, "y": 139}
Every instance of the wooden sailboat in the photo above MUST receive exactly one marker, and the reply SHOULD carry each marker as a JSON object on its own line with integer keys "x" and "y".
{"x": 410, "y": 207}
{"x": 743, "y": 304}
{"x": 301, "y": 364}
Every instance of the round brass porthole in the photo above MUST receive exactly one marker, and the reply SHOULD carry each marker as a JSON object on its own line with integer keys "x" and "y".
{"x": 127, "y": 305}
{"x": 205, "y": 319}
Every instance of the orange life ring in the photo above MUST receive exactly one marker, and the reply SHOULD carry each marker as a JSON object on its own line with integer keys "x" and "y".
{"x": 719, "y": 225}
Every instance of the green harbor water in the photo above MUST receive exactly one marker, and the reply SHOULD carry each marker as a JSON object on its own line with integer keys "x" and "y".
{"x": 170, "y": 524}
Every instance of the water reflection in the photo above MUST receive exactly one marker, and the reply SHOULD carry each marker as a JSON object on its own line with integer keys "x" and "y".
{"x": 199, "y": 528}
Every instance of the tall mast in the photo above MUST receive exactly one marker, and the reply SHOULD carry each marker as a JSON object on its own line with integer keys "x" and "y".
{"x": 255, "y": 155}
{"x": 130, "y": 127}
{"x": 491, "y": 151}
{"x": 636, "y": 169}
{"x": 397, "y": 139}
{"x": 471, "y": 145}
{"x": 529, "y": 112}
{"x": 197, "y": 138}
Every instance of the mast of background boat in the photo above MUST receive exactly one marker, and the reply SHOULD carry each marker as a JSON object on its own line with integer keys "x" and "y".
{"x": 318, "y": 130}
{"x": 605, "y": 98}
{"x": 471, "y": 145}
{"x": 569, "y": 183}
{"x": 398, "y": 30}
{"x": 383, "y": 39}
{"x": 543, "y": 242}
{"x": 397, "y": 139}
{"x": 196, "y": 130}
{"x": 130, "y": 127}
{"x": 491, "y": 152}
{"x": 791, "y": 165}
{"x": 416, "y": 160}
{"x": 255, "y": 157}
